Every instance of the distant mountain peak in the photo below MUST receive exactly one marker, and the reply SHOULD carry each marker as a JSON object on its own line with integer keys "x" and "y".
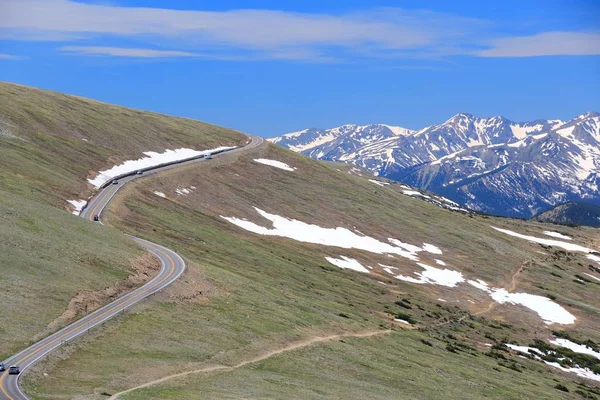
{"x": 489, "y": 164}
{"x": 459, "y": 117}
{"x": 589, "y": 114}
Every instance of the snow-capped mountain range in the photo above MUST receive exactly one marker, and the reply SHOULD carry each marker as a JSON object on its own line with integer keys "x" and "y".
{"x": 492, "y": 165}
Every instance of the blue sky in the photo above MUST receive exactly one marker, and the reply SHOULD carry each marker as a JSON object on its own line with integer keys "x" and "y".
{"x": 271, "y": 67}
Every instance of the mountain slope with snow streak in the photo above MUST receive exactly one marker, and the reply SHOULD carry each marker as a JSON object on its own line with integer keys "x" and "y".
{"x": 491, "y": 165}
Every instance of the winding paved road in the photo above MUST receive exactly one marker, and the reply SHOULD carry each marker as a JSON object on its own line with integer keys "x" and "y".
{"x": 172, "y": 266}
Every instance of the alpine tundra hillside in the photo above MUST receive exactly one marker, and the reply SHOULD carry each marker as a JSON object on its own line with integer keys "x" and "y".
{"x": 303, "y": 279}
{"x": 491, "y": 165}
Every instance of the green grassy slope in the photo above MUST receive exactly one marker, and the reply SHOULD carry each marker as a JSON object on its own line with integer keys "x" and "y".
{"x": 245, "y": 295}
{"x": 50, "y": 143}
{"x": 397, "y": 366}
{"x": 48, "y": 256}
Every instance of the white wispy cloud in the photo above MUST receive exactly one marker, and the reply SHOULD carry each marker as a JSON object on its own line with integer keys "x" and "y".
{"x": 125, "y": 52}
{"x": 267, "y": 34}
{"x": 545, "y": 44}
{"x": 10, "y": 57}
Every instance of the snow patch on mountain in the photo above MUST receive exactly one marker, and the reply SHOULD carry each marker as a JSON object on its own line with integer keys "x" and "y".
{"x": 347, "y": 263}
{"x": 275, "y": 163}
{"x": 557, "y": 235}
{"x": 152, "y": 159}
{"x": 77, "y": 205}
{"x": 547, "y": 242}
{"x": 437, "y": 276}
{"x": 576, "y": 347}
{"x": 337, "y": 237}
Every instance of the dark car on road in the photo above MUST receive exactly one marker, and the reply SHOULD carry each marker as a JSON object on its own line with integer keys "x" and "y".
{"x": 208, "y": 156}
{"x": 14, "y": 370}
{"x": 96, "y": 217}
{"x": 140, "y": 172}
{"x": 2, "y": 367}
{"x": 115, "y": 182}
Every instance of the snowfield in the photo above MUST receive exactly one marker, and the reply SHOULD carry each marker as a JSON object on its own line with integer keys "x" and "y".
{"x": 431, "y": 248}
{"x": 577, "y": 348}
{"x": 536, "y": 353}
{"x": 523, "y": 349}
{"x": 549, "y": 311}
{"x": 380, "y": 183}
{"x": 547, "y": 242}
{"x": 336, "y": 237}
{"x": 185, "y": 191}
{"x": 557, "y": 235}
{"x": 594, "y": 258}
{"x": 77, "y": 205}
{"x": 152, "y": 159}
{"x": 592, "y": 276}
{"x": 347, "y": 263}
{"x": 160, "y": 194}
{"x": 415, "y": 193}
{"x": 582, "y": 372}
{"x": 274, "y": 163}
{"x": 432, "y": 275}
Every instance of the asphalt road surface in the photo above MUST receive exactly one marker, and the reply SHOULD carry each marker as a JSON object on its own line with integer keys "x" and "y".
{"x": 172, "y": 266}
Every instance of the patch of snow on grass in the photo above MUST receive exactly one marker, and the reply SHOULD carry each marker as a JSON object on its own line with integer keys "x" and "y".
{"x": 389, "y": 270}
{"x": 557, "y": 235}
{"x": 479, "y": 284}
{"x": 185, "y": 191}
{"x": 523, "y": 349}
{"x": 337, "y": 237}
{"x": 379, "y": 182}
{"x": 152, "y": 159}
{"x": 593, "y": 258}
{"x": 274, "y": 163}
{"x": 592, "y": 276}
{"x": 402, "y": 321}
{"x": 415, "y": 193}
{"x": 436, "y": 276}
{"x": 78, "y": 205}
{"x": 347, "y": 263}
{"x": 582, "y": 372}
{"x": 160, "y": 194}
{"x": 442, "y": 300}
{"x": 577, "y": 348}
{"x": 440, "y": 262}
{"x": 431, "y": 248}
{"x": 547, "y": 242}
{"x": 548, "y": 310}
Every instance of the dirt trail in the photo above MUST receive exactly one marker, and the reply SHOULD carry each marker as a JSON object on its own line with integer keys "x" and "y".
{"x": 511, "y": 288}
{"x": 291, "y": 347}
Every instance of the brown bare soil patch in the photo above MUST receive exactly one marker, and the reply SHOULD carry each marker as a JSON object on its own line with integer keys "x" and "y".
{"x": 192, "y": 287}
{"x": 143, "y": 267}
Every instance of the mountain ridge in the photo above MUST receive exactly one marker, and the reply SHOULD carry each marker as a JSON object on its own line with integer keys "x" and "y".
{"x": 572, "y": 214}
{"x": 473, "y": 160}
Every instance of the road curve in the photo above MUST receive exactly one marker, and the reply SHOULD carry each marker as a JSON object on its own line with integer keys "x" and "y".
{"x": 172, "y": 266}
